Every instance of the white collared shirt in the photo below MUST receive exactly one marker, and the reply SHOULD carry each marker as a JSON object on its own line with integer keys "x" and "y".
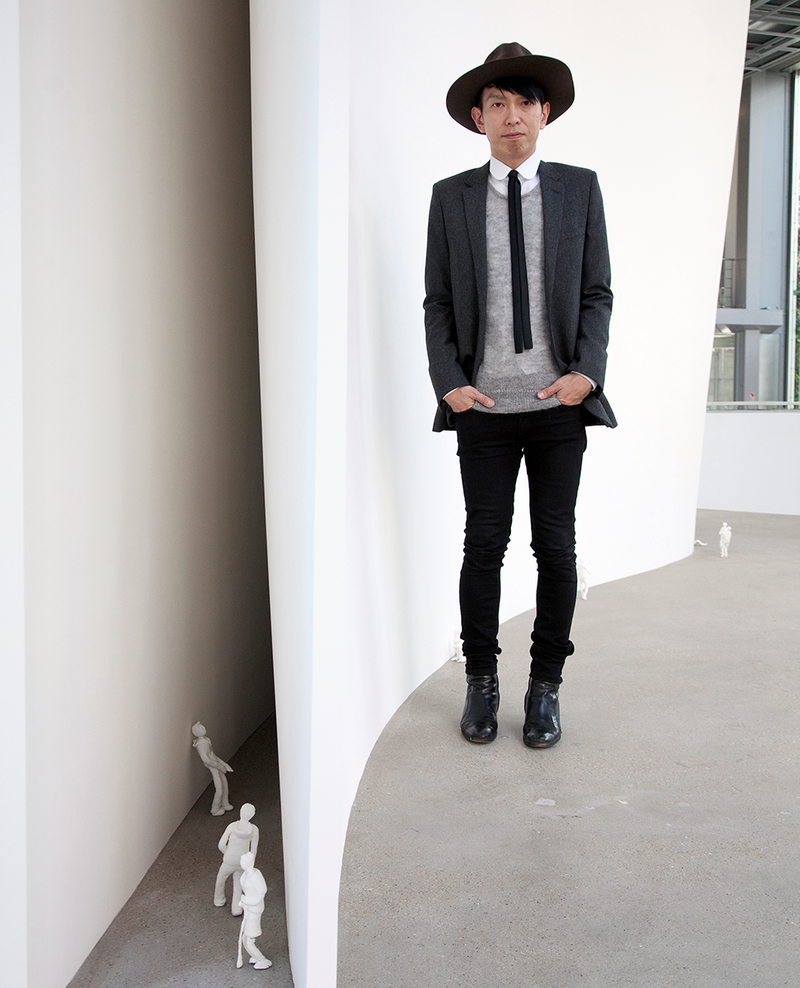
{"x": 528, "y": 173}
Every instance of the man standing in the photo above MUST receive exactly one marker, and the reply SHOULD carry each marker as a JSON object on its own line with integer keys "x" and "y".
{"x": 517, "y": 307}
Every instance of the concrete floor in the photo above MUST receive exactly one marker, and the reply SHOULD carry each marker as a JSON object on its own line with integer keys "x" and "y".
{"x": 656, "y": 845}
{"x": 169, "y": 934}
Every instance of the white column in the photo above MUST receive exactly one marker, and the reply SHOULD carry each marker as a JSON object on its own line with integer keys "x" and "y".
{"x": 13, "y": 837}
{"x": 301, "y": 136}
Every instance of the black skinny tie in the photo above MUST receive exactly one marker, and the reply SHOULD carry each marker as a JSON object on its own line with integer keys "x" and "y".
{"x": 519, "y": 269}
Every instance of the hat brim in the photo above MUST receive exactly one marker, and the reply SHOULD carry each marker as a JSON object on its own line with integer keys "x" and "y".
{"x": 551, "y": 74}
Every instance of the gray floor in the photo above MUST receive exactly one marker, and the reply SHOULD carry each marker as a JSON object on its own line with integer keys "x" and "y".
{"x": 656, "y": 845}
{"x": 169, "y": 934}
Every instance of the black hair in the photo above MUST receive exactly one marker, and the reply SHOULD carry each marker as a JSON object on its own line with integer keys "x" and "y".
{"x": 517, "y": 84}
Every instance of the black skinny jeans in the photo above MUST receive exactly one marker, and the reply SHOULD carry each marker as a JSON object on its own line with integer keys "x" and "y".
{"x": 490, "y": 449}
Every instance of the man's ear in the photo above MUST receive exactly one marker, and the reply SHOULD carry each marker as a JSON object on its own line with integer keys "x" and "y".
{"x": 545, "y": 114}
{"x": 477, "y": 117}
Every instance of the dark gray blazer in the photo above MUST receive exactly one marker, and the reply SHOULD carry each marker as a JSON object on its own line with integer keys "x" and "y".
{"x": 577, "y": 281}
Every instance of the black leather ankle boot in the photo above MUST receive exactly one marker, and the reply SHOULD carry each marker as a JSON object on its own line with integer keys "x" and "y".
{"x": 542, "y": 724}
{"x": 479, "y": 720}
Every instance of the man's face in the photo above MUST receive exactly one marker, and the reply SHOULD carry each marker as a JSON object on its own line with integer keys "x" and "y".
{"x": 511, "y": 122}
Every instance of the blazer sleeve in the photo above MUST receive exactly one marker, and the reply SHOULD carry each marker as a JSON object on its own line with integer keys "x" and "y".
{"x": 595, "y": 294}
{"x": 440, "y": 326}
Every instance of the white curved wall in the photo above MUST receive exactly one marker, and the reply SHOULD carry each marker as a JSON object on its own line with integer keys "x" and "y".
{"x": 363, "y": 502}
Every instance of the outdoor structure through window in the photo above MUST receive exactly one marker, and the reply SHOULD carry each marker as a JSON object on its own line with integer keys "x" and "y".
{"x": 754, "y": 361}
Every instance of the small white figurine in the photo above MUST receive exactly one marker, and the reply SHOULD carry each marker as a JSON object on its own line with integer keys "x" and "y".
{"x": 456, "y": 647}
{"x": 724, "y": 539}
{"x": 583, "y": 579}
{"x": 239, "y": 838}
{"x": 216, "y": 767}
{"x": 254, "y": 888}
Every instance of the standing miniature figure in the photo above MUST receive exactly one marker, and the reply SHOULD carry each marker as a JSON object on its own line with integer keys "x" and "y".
{"x": 583, "y": 580}
{"x": 724, "y": 539}
{"x": 254, "y": 888}
{"x": 216, "y": 767}
{"x": 239, "y": 838}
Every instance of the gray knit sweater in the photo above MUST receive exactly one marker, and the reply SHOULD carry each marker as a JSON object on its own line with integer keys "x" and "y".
{"x": 513, "y": 379}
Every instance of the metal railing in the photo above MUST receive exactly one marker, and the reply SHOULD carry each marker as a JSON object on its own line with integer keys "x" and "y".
{"x": 753, "y": 406}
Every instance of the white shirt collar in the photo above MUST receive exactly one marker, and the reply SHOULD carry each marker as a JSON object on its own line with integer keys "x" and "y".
{"x": 527, "y": 170}
{"x": 528, "y": 173}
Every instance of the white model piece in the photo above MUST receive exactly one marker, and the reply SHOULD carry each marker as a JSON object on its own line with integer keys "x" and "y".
{"x": 254, "y": 888}
{"x": 583, "y": 579}
{"x": 724, "y": 539}
{"x": 456, "y": 647}
{"x": 698, "y": 542}
{"x": 216, "y": 767}
{"x": 239, "y": 838}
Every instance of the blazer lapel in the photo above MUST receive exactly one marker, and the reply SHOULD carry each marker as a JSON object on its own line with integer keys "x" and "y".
{"x": 552, "y": 209}
{"x": 475, "y": 210}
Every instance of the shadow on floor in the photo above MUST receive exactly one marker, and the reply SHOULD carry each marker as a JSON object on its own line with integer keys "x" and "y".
{"x": 655, "y": 845}
{"x": 169, "y": 933}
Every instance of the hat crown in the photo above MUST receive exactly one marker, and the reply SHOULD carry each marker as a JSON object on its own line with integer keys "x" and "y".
{"x": 510, "y": 50}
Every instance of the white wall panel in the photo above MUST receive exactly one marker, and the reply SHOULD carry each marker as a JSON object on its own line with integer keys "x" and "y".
{"x": 364, "y": 504}
{"x": 13, "y": 830}
{"x": 145, "y": 595}
{"x": 751, "y": 462}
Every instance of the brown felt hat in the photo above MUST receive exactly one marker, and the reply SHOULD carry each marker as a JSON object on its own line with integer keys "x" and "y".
{"x": 512, "y": 59}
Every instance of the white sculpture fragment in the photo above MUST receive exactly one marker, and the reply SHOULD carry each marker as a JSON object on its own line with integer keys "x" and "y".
{"x": 583, "y": 579}
{"x": 724, "y": 539}
{"x": 239, "y": 838}
{"x": 254, "y": 888}
{"x": 456, "y": 647}
{"x": 216, "y": 767}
